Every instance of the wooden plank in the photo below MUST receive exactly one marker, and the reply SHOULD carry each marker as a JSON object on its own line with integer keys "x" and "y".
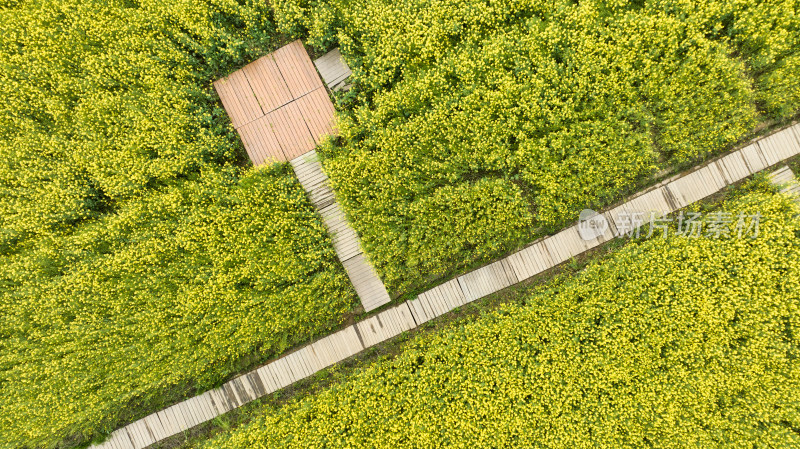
{"x": 308, "y": 359}
{"x": 281, "y": 371}
{"x": 781, "y": 176}
{"x": 230, "y": 102}
{"x": 322, "y": 353}
{"x": 539, "y": 257}
{"x": 332, "y": 68}
{"x": 372, "y": 330}
{"x": 734, "y": 167}
{"x": 345, "y": 240}
{"x": 261, "y": 141}
{"x": 206, "y": 407}
{"x": 486, "y": 280}
{"x": 188, "y": 412}
{"x": 219, "y": 403}
{"x": 250, "y": 386}
{"x": 407, "y": 318}
{"x": 301, "y": 136}
{"x": 339, "y": 346}
{"x": 203, "y": 403}
{"x": 285, "y": 372}
{"x": 351, "y": 341}
{"x": 295, "y": 370}
{"x": 425, "y": 313}
{"x": 437, "y": 299}
{"x": 314, "y": 182}
{"x": 141, "y": 438}
{"x": 153, "y": 424}
{"x": 230, "y": 395}
{"x": 255, "y": 381}
{"x": 331, "y": 350}
{"x": 367, "y": 284}
{"x": 135, "y": 438}
{"x": 673, "y": 190}
{"x": 235, "y": 391}
{"x": 136, "y": 441}
{"x": 432, "y": 306}
{"x": 147, "y": 435}
{"x": 297, "y": 367}
{"x": 297, "y": 69}
{"x": 555, "y": 248}
{"x": 753, "y": 158}
{"x": 317, "y": 357}
{"x": 267, "y": 379}
{"x": 451, "y": 291}
{"x": 779, "y": 146}
{"x": 121, "y": 440}
{"x": 318, "y": 113}
{"x": 267, "y": 82}
{"x": 417, "y": 312}
{"x": 274, "y": 372}
{"x": 191, "y": 406}
{"x": 185, "y": 415}
{"x": 447, "y": 303}
{"x": 109, "y": 443}
{"x": 167, "y": 424}
{"x": 388, "y": 322}
{"x": 175, "y": 421}
{"x": 248, "y": 103}
{"x": 288, "y": 135}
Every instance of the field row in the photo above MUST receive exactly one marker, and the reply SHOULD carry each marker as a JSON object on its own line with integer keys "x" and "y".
{"x": 474, "y": 125}
{"x": 547, "y": 253}
{"x": 668, "y": 342}
{"x": 138, "y": 264}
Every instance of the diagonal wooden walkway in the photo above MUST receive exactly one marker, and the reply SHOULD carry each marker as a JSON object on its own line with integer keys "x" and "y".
{"x": 665, "y": 197}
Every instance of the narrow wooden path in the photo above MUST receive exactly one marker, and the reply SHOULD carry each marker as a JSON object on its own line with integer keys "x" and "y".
{"x": 368, "y": 285}
{"x": 333, "y": 69}
{"x": 784, "y": 178}
{"x": 282, "y": 111}
{"x": 665, "y": 197}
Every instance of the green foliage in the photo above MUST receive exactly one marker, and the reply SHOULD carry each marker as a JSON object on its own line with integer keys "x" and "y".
{"x": 103, "y": 101}
{"x": 764, "y": 33}
{"x": 137, "y": 262}
{"x": 575, "y": 103}
{"x": 172, "y": 291}
{"x": 476, "y": 214}
{"x": 683, "y": 342}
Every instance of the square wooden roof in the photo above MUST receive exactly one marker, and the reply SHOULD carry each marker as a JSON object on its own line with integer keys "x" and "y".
{"x": 278, "y": 105}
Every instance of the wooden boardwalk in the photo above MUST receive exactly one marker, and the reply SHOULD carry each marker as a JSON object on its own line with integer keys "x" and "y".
{"x": 333, "y": 69}
{"x": 546, "y": 253}
{"x": 784, "y": 177}
{"x": 278, "y": 105}
{"x": 368, "y": 285}
{"x": 282, "y": 111}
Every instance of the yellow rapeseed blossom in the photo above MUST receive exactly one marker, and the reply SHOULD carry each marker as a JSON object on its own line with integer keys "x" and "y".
{"x": 667, "y": 343}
